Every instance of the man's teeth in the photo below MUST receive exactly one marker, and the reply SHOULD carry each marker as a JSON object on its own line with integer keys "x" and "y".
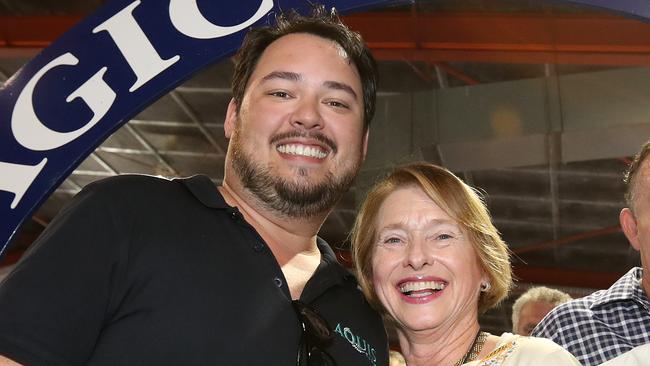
{"x": 427, "y": 287}
{"x": 302, "y": 150}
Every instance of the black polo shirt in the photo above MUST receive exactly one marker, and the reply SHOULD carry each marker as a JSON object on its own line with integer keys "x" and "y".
{"x": 139, "y": 270}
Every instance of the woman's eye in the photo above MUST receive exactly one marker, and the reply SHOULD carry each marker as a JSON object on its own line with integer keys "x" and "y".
{"x": 444, "y": 237}
{"x": 392, "y": 240}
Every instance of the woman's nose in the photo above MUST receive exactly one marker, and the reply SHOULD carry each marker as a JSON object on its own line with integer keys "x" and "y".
{"x": 418, "y": 255}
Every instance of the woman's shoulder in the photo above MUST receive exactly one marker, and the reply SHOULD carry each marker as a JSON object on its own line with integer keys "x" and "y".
{"x": 518, "y": 350}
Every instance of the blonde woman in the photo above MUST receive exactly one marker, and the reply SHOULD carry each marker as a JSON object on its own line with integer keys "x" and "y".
{"x": 429, "y": 257}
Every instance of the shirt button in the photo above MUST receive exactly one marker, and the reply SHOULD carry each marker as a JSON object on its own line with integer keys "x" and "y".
{"x": 278, "y": 281}
{"x": 258, "y": 247}
{"x": 234, "y": 216}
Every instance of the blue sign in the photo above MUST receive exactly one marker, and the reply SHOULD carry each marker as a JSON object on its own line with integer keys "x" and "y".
{"x": 66, "y": 101}
{"x": 636, "y": 8}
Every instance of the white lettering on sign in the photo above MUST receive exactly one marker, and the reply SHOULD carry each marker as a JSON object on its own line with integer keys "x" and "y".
{"x": 187, "y": 18}
{"x": 28, "y": 129}
{"x": 20, "y": 178}
{"x": 136, "y": 48}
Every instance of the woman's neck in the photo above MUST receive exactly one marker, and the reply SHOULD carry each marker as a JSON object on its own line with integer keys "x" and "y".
{"x": 444, "y": 346}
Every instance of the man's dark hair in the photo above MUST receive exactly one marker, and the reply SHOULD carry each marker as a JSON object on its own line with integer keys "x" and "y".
{"x": 321, "y": 23}
{"x": 632, "y": 170}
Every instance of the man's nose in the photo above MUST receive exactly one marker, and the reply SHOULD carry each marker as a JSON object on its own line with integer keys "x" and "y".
{"x": 307, "y": 115}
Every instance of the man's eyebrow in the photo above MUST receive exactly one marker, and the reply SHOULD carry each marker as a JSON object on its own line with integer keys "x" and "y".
{"x": 341, "y": 86}
{"x": 286, "y": 75}
{"x": 294, "y": 76}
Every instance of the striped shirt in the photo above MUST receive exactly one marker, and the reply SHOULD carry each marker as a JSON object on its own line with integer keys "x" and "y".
{"x": 603, "y": 325}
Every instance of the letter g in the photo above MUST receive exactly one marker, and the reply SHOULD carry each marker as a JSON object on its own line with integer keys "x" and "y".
{"x": 30, "y": 132}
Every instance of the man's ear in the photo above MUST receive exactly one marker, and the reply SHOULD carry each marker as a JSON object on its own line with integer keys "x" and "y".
{"x": 365, "y": 143}
{"x": 230, "y": 123}
{"x": 628, "y": 224}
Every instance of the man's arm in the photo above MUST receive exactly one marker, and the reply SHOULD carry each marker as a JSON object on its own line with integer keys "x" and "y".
{"x": 55, "y": 299}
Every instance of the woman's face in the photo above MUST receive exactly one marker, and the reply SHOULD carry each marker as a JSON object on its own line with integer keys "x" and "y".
{"x": 425, "y": 270}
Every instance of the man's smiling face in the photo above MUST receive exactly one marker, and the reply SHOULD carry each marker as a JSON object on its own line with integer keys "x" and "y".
{"x": 297, "y": 139}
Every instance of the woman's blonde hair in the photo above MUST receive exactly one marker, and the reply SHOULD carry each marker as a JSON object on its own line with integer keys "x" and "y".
{"x": 458, "y": 200}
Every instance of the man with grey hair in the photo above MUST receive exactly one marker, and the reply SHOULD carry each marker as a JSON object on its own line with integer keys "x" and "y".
{"x": 608, "y": 323}
{"x": 533, "y": 305}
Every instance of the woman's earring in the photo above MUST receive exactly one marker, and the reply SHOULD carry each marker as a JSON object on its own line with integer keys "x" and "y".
{"x": 485, "y": 286}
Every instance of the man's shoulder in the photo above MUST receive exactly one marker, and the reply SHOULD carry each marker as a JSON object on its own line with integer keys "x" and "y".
{"x": 580, "y": 306}
{"x": 134, "y": 189}
{"x": 128, "y": 183}
{"x": 566, "y": 316}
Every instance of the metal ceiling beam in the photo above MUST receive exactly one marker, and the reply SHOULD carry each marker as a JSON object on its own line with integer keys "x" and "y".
{"x": 437, "y": 37}
{"x": 507, "y": 38}
{"x": 34, "y": 31}
{"x": 563, "y": 172}
{"x": 546, "y": 200}
{"x": 161, "y": 160}
{"x": 501, "y": 223}
{"x": 443, "y": 81}
{"x": 565, "y": 277}
{"x": 142, "y": 122}
{"x": 104, "y": 164}
{"x": 175, "y": 153}
{"x": 567, "y": 240}
{"x": 189, "y": 112}
{"x": 424, "y": 75}
{"x": 458, "y": 74}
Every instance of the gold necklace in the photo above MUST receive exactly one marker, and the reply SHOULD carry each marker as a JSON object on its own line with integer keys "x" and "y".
{"x": 474, "y": 349}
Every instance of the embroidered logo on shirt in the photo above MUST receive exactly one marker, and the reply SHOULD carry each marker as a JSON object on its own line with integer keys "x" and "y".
{"x": 357, "y": 342}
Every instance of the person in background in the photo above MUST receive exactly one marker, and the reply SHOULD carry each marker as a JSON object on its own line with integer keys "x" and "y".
{"x": 610, "y": 322}
{"x": 533, "y": 305}
{"x": 141, "y": 270}
{"x": 428, "y": 256}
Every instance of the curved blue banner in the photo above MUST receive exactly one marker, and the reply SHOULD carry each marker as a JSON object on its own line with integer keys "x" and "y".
{"x": 66, "y": 101}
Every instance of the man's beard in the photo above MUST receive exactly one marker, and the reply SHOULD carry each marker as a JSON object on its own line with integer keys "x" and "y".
{"x": 290, "y": 197}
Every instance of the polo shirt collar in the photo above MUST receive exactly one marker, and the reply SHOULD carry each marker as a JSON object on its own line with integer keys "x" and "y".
{"x": 329, "y": 272}
{"x": 627, "y": 288}
{"x": 204, "y": 190}
{"x": 328, "y": 259}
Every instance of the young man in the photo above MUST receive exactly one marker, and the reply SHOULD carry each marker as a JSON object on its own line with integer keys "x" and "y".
{"x": 144, "y": 271}
{"x": 533, "y": 305}
{"x": 608, "y": 323}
